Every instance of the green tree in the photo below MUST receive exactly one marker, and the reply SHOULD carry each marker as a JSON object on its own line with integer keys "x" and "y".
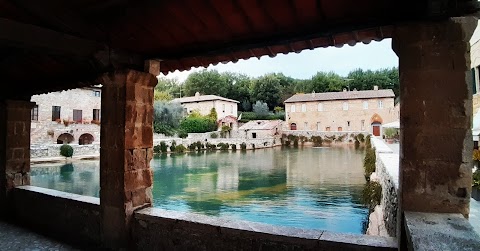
{"x": 267, "y": 89}
{"x": 260, "y": 109}
{"x": 167, "y": 116}
{"x": 206, "y": 82}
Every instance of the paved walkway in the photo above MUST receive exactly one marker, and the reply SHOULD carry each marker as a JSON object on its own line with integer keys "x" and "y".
{"x": 15, "y": 238}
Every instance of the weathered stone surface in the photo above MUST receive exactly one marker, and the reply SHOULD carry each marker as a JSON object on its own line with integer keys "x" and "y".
{"x": 157, "y": 229}
{"x": 435, "y": 124}
{"x": 434, "y": 231}
{"x": 127, "y": 137}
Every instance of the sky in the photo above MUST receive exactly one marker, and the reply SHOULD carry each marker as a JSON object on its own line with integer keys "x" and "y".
{"x": 303, "y": 65}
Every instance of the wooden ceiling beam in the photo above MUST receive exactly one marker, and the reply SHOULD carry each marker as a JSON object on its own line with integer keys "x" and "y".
{"x": 26, "y": 36}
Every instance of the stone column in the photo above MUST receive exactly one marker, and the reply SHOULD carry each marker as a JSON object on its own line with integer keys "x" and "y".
{"x": 435, "y": 115}
{"x": 15, "y": 123}
{"x": 126, "y": 143}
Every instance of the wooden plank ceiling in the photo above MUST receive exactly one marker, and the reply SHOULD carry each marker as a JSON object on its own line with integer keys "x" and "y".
{"x": 57, "y": 44}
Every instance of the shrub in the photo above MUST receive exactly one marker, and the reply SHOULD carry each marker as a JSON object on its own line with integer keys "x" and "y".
{"x": 223, "y": 146}
{"x": 357, "y": 143}
{"x": 317, "y": 140}
{"x": 163, "y": 147}
{"x": 182, "y": 134}
{"x": 198, "y": 124}
{"x": 66, "y": 150}
{"x": 192, "y": 146}
{"x": 156, "y": 149}
{"x": 253, "y": 146}
{"x": 369, "y": 162}
{"x": 372, "y": 194}
{"x": 210, "y": 146}
{"x": 234, "y": 147}
{"x": 361, "y": 137}
{"x": 173, "y": 146}
{"x": 199, "y": 145}
{"x": 180, "y": 148}
{"x": 295, "y": 142}
{"x": 213, "y": 135}
{"x": 368, "y": 143}
{"x": 476, "y": 178}
{"x": 243, "y": 146}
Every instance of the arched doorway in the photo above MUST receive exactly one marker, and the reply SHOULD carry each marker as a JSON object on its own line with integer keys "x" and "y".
{"x": 376, "y": 122}
{"x": 293, "y": 126}
{"x": 65, "y": 138}
{"x": 85, "y": 139}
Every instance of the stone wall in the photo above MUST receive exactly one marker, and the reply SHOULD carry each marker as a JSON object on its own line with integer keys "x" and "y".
{"x": 383, "y": 220}
{"x": 157, "y": 229}
{"x": 71, "y": 217}
{"x": 53, "y": 150}
{"x": 251, "y": 143}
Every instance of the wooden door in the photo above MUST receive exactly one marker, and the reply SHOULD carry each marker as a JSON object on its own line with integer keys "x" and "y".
{"x": 376, "y": 130}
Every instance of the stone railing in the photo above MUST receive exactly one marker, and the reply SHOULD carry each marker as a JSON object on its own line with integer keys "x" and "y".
{"x": 345, "y": 136}
{"x": 383, "y": 220}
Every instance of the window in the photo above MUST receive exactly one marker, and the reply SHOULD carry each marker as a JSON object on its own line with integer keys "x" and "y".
{"x": 305, "y": 126}
{"x": 318, "y": 126}
{"x": 348, "y": 124}
{"x": 380, "y": 104}
{"x": 365, "y": 105}
{"x": 345, "y": 106}
{"x": 254, "y": 135}
{"x": 96, "y": 93}
{"x": 362, "y": 124}
{"x": 96, "y": 114}
{"x": 55, "y": 113}
{"x": 304, "y": 107}
{"x": 77, "y": 116}
{"x": 292, "y": 108}
{"x": 223, "y": 107}
{"x": 327, "y": 128}
{"x": 34, "y": 113}
{"x": 340, "y": 129}
{"x": 320, "y": 107}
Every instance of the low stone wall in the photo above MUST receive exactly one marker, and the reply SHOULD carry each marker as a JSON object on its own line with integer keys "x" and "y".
{"x": 345, "y": 136}
{"x": 383, "y": 220}
{"x": 53, "y": 150}
{"x": 251, "y": 143}
{"x": 157, "y": 229}
{"x": 71, "y": 217}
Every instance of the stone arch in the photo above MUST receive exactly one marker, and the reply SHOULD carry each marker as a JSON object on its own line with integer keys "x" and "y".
{"x": 293, "y": 126}
{"x": 376, "y": 123}
{"x": 65, "y": 138}
{"x": 376, "y": 119}
{"x": 85, "y": 139}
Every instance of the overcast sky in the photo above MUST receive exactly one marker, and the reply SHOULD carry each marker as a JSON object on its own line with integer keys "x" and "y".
{"x": 373, "y": 56}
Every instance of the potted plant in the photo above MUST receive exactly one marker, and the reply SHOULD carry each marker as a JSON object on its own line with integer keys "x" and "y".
{"x": 389, "y": 134}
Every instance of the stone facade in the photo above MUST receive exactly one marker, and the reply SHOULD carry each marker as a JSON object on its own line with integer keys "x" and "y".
{"x": 85, "y": 101}
{"x": 53, "y": 150}
{"x": 204, "y": 104}
{"x": 340, "y": 115}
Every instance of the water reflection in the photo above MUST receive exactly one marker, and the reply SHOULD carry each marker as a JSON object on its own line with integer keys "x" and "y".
{"x": 317, "y": 188}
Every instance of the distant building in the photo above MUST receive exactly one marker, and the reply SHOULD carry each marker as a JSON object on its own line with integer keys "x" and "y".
{"x": 204, "y": 103}
{"x": 353, "y": 110}
{"x": 475, "y": 64}
{"x": 71, "y": 116}
{"x": 260, "y": 129}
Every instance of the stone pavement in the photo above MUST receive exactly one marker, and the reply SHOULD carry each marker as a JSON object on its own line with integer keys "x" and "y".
{"x": 15, "y": 238}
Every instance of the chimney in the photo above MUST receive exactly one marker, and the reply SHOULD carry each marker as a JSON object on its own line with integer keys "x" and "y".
{"x": 197, "y": 94}
{"x": 375, "y": 87}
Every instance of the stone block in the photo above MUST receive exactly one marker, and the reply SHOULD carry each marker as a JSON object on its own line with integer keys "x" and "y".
{"x": 137, "y": 179}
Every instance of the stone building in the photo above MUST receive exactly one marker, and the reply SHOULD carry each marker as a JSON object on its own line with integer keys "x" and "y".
{"x": 204, "y": 104}
{"x": 260, "y": 129}
{"x": 71, "y": 116}
{"x": 353, "y": 110}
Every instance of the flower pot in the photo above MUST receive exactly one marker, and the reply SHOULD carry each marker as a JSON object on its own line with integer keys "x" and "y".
{"x": 476, "y": 193}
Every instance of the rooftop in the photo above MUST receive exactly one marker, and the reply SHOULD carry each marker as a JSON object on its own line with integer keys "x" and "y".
{"x": 260, "y": 125}
{"x": 344, "y": 95}
{"x": 200, "y": 98}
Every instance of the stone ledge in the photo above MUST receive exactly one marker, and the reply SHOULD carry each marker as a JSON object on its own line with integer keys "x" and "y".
{"x": 59, "y": 194}
{"x": 224, "y": 229}
{"x": 440, "y": 231}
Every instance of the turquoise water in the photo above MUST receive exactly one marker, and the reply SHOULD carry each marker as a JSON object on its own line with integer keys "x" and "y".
{"x": 314, "y": 188}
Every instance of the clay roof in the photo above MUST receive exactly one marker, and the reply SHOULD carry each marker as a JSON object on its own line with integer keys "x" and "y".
{"x": 201, "y": 98}
{"x": 260, "y": 125}
{"x": 385, "y": 93}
